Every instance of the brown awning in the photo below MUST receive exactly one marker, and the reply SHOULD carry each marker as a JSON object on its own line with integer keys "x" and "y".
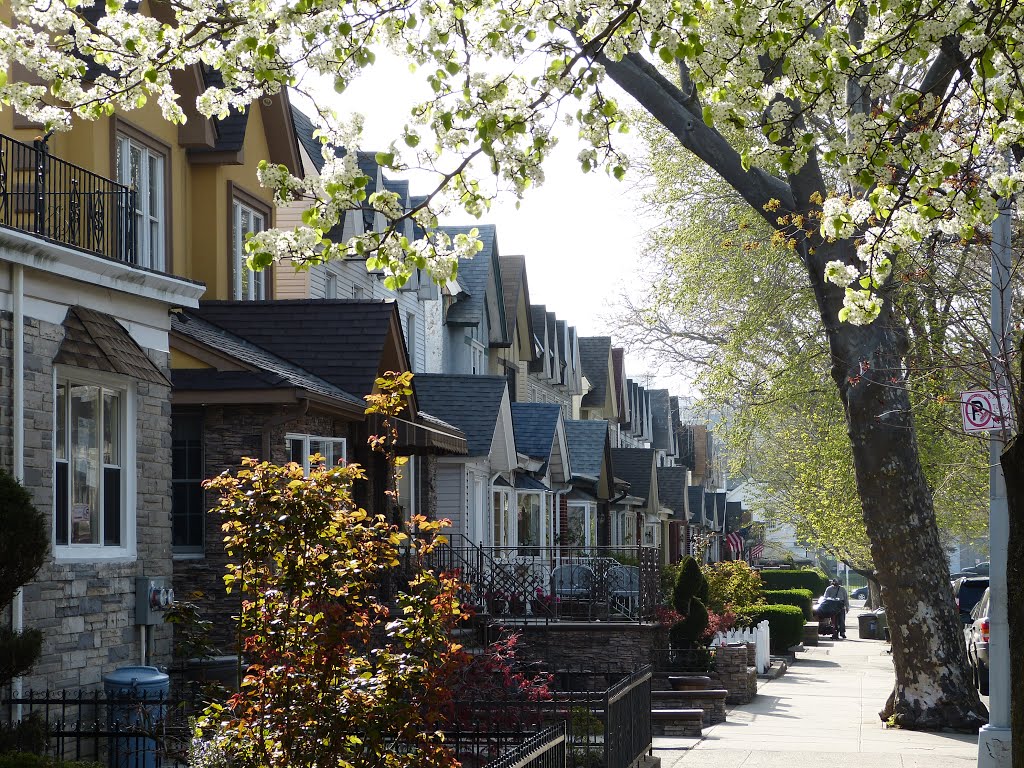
{"x": 429, "y": 436}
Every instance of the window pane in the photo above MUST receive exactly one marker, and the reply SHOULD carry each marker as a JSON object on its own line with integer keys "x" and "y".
{"x": 297, "y": 451}
{"x": 84, "y": 464}
{"x": 61, "y": 507}
{"x": 60, "y": 447}
{"x": 318, "y": 446}
{"x": 111, "y": 506}
{"x": 577, "y": 526}
{"x": 135, "y": 167}
{"x": 111, "y": 428}
{"x": 187, "y": 501}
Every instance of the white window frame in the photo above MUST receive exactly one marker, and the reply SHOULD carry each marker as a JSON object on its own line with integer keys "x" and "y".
{"x": 149, "y": 254}
{"x": 311, "y": 438}
{"x": 127, "y": 549}
{"x": 331, "y": 286}
{"x": 504, "y": 529}
{"x": 256, "y": 290}
{"x": 589, "y": 509}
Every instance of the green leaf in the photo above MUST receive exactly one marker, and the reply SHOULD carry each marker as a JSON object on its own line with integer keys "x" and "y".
{"x": 709, "y": 116}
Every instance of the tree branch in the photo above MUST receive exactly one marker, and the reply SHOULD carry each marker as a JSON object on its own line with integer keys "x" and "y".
{"x": 668, "y": 105}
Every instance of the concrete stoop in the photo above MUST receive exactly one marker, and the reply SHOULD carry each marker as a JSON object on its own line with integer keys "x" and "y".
{"x": 710, "y": 701}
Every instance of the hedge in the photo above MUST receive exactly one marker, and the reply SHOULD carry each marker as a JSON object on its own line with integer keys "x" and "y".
{"x": 785, "y": 622}
{"x": 801, "y": 598}
{"x": 815, "y": 581}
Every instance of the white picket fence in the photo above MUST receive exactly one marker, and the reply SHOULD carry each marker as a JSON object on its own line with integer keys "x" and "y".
{"x": 760, "y": 636}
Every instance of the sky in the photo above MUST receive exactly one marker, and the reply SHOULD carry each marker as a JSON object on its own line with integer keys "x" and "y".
{"x": 581, "y": 234}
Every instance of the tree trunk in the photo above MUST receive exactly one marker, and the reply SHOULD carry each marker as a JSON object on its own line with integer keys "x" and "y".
{"x": 1012, "y": 461}
{"x": 933, "y": 686}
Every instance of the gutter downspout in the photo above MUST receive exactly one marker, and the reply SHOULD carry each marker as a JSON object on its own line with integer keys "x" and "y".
{"x": 276, "y": 421}
{"x": 18, "y": 396}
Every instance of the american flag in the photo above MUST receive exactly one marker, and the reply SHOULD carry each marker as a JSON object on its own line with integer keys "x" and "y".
{"x": 734, "y": 541}
{"x": 756, "y": 551}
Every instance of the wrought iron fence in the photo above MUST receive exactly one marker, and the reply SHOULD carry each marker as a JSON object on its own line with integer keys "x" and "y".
{"x": 130, "y": 731}
{"x": 545, "y": 749}
{"x": 58, "y": 201}
{"x": 540, "y": 584}
{"x": 691, "y": 661}
{"x": 627, "y": 720}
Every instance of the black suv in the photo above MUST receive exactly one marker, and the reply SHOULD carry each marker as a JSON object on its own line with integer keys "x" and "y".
{"x": 967, "y": 591}
{"x": 976, "y": 636}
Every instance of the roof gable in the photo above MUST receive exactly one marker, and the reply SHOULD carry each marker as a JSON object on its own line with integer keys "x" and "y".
{"x": 672, "y": 490}
{"x": 595, "y": 359}
{"x": 481, "y": 278}
{"x": 98, "y": 342}
{"x": 535, "y": 425}
{"x": 347, "y": 343}
{"x": 471, "y": 403}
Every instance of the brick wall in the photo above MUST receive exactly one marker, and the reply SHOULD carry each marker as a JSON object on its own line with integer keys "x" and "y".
{"x": 86, "y": 610}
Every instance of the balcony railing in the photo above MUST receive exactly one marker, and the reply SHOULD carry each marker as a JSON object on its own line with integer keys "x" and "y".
{"x": 60, "y": 202}
{"x": 526, "y": 584}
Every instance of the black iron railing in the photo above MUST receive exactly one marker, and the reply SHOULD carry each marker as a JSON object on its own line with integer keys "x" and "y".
{"x": 58, "y": 201}
{"x": 691, "y": 661}
{"x": 627, "y": 720}
{"x": 530, "y": 584}
{"x": 542, "y": 750}
{"x": 134, "y": 731}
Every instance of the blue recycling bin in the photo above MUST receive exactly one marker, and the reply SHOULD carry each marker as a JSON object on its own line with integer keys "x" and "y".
{"x": 136, "y": 697}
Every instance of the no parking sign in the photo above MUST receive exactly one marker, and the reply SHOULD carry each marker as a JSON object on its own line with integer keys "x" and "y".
{"x": 986, "y": 411}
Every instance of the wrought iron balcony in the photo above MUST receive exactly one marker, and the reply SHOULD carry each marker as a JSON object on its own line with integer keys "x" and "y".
{"x": 60, "y": 202}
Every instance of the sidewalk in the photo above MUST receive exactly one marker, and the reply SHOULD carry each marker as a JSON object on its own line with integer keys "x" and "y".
{"x": 823, "y": 713}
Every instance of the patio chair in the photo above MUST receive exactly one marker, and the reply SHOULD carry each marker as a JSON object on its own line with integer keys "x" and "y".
{"x": 623, "y": 584}
{"x": 575, "y": 584}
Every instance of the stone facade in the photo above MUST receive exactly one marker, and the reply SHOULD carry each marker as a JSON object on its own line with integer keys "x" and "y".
{"x": 620, "y": 647}
{"x": 734, "y": 674}
{"x": 86, "y": 610}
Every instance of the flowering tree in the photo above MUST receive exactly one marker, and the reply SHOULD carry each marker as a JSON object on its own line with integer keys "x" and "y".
{"x": 867, "y": 128}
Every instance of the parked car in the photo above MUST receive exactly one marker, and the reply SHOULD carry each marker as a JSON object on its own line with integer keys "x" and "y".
{"x": 967, "y": 591}
{"x": 861, "y": 593}
{"x": 976, "y": 635}
{"x": 981, "y": 569}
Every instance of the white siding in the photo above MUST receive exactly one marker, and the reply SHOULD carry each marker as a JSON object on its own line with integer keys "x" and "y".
{"x": 451, "y": 495}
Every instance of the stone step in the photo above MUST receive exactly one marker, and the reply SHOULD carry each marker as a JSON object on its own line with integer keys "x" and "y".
{"x": 677, "y": 722}
{"x": 710, "y": 702}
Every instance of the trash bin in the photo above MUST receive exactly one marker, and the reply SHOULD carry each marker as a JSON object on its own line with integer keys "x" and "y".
{"x": 135, "y": 706}
{"x": 883, "y": 624}
{"x": 868, "y": 626}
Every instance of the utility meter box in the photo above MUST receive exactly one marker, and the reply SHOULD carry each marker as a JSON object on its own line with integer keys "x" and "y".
{"x": 153, "y": 596}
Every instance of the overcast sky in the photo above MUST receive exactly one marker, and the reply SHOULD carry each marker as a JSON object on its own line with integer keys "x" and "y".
{"x": 581, "y": 234}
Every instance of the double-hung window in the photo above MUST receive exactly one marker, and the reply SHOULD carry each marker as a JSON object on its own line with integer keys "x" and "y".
{"x": 249, "y": 284}
{"x": 188, "y": 514}
{"x": 93, "y": 457}
{"x": 142, "y": 168}
{"x": 301, "y": 447}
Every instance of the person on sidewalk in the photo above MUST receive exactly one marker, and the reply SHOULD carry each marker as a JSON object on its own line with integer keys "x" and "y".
{"x": 836, "y": 592}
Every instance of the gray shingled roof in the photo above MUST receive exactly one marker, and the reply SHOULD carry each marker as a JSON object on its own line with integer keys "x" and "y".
{"x": 672, "y": 490}
{"x": 661, "y": 419}
{"x": 304, "y": 128}
{"x": 272, "y": 371}
{"x": 594, "y": 352}
{"x": 341, "y": 341}
{"x": 535, "y": 425}
{"x": 98, "y": 342}
{"x": 586, "y": 441}
{"x": 513, "y": 280}
{"x": 470, "y": 403}
{"x": 635, "y": 466}
{"x": 474, "y": 275}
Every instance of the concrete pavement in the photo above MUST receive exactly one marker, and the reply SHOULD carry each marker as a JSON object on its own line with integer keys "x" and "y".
{"x": 823, "y": 713}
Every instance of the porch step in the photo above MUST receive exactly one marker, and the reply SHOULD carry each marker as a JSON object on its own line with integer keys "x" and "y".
{"x": 677, "y": 722}
{"x": 689, "y": 682}
{"x": 711, "y": 702}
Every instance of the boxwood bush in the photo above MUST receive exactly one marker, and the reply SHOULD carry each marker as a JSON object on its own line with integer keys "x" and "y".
{"x": 795, "y": 579}
{"x": 801, "y": 598}
{"x": 785, "y": 622}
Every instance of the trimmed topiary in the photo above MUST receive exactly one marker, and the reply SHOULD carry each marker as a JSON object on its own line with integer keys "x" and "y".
{"x": 785, "y": 622}
{"x": 686, "y": 599}
{"x": 815, "y": 581}
{"x": 801, "y": 598}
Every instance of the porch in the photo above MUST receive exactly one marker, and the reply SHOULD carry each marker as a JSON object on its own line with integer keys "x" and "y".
{"x": 541, "y": 584}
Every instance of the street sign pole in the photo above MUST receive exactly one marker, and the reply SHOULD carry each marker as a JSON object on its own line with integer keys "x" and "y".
{"x": 994, "y": 738}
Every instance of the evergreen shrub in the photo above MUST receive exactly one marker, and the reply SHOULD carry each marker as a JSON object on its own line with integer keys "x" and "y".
{"x": 785, "y": 578}
{"x": 801, "y": 598}
{"x": 785, "y": 622}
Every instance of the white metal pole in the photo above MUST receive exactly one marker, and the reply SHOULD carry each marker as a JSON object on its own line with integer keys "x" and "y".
{"x": 994, "y": 738}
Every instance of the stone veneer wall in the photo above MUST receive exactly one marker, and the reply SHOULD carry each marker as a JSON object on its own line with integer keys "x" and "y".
{"x": 734, "y": 674}
{"x": 229, "y": 434}
{"x": 571, "y": 645}
{"x": 86, "y": 611}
